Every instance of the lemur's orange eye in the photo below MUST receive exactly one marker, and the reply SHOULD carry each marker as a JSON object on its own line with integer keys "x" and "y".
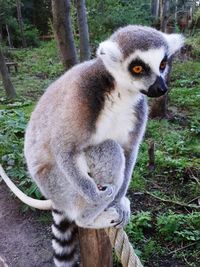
{"x": 137, "y": 69}
{"x": 163, "y": 65}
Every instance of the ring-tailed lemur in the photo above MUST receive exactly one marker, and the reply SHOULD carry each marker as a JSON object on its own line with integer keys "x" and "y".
{"x": 99, "y": 102}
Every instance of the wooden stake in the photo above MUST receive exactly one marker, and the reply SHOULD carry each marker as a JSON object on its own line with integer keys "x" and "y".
{"x": 151, "y": 152}
{"x": 95, "y": 248}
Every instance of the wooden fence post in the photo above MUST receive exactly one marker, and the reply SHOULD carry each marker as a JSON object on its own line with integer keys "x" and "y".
{"x": 95, "y": 248}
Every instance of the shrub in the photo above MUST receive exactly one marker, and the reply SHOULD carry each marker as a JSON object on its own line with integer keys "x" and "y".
{"x": 31, "y": 35}
{"x": 179, "y": 227}
{"x": 194, "y": 42}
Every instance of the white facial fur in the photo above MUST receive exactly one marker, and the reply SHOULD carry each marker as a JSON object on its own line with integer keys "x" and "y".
{"x": 151, "y": 57}
{"x": 112, "y": 57}
{"x": 110, "y": 52}
{"x": 175, "y": 42}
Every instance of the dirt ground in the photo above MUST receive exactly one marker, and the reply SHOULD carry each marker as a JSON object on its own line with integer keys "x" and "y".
{"x": 25, "y": 241}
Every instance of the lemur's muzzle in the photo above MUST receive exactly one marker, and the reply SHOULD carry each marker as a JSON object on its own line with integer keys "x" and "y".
{"x": 157, "y": 89}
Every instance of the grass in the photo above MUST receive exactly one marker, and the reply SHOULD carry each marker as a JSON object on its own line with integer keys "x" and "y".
{"x": 38, "y": 67}
{"x": 163, "y": 233}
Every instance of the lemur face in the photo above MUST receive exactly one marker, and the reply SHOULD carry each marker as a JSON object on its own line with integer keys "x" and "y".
{"x": 137, "y": 57}
{"x": 147, "y": 70}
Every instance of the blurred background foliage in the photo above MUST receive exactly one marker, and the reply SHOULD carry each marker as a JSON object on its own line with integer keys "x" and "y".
{"x": 104, "y": 16}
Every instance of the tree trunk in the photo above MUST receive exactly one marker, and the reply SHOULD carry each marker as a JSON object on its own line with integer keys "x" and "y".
{"x": 9, "y": 38}
{"x": 83, "y": 30}
{"x": 159, "y": 106}
{"x": 101, "y": 6}
{"x": 10, "y": 90}
{"x": 20, "y": 21}
{"x": 155, "y": 8}
{"x": 95, "y": 248}
{"x": 176, "y": 9}
{"x": 164, "y": 15}
{"x": 63, "y": 32}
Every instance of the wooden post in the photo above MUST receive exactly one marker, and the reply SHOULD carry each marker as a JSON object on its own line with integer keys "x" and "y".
{"x": 151, "y": 152}
{"x": 95, "y": 248}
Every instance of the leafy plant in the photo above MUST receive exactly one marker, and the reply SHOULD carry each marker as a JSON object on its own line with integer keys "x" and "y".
{"x": 179, "y": 227}
{"x": 13, "y": 123}
{"x": 151, "y": 248}
{"x": 31, "y": 35}
{"x": 106, "y": 16}
{"x": 138, "y": 223}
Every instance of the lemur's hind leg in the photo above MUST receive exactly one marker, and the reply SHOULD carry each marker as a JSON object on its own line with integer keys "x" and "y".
{"x": 106, "y": 166}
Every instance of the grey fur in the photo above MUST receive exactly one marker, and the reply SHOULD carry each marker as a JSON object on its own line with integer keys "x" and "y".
{"x": 135, "y": 37}
{"x": 104, "y": 166}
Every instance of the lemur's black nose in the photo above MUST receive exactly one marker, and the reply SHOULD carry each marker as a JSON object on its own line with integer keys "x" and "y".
{"x": 158, "y": 88}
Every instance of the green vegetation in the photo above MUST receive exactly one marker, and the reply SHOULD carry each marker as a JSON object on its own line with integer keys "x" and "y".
{"x": 37, "y": 69}
{"x": 35, "y": 18}
{"x": 106, "y": 16}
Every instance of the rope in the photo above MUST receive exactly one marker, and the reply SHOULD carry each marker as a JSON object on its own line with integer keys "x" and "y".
{"x": 123, "y": 249}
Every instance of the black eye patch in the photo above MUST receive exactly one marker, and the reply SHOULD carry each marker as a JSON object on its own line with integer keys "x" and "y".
{"x": 165, "y": 58}
{"x": 138, "y": 68}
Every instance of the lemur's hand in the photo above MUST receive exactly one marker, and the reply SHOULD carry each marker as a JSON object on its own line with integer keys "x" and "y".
{"x": 102, "y": 187}
{"x": 123, "y": 209}
{"x": 107, "y": 192}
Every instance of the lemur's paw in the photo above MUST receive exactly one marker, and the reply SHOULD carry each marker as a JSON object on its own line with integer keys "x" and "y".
{"x": 107, "y": 218}
{"x": 123, "y": 209}
{"x": 106, "y": 192}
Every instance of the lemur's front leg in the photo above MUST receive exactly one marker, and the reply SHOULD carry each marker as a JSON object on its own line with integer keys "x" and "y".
{"x": 118, "y": 212}
{"x": 121, "y": 203}
{"x": 106, "y": 164}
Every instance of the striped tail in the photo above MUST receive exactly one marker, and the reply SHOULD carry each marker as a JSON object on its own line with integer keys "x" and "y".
{"x": 65, "y": 241}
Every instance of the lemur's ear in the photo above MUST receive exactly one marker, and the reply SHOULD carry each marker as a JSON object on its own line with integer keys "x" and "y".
{"x": 175, "y": 42}
{"x": 109, "y": 52}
